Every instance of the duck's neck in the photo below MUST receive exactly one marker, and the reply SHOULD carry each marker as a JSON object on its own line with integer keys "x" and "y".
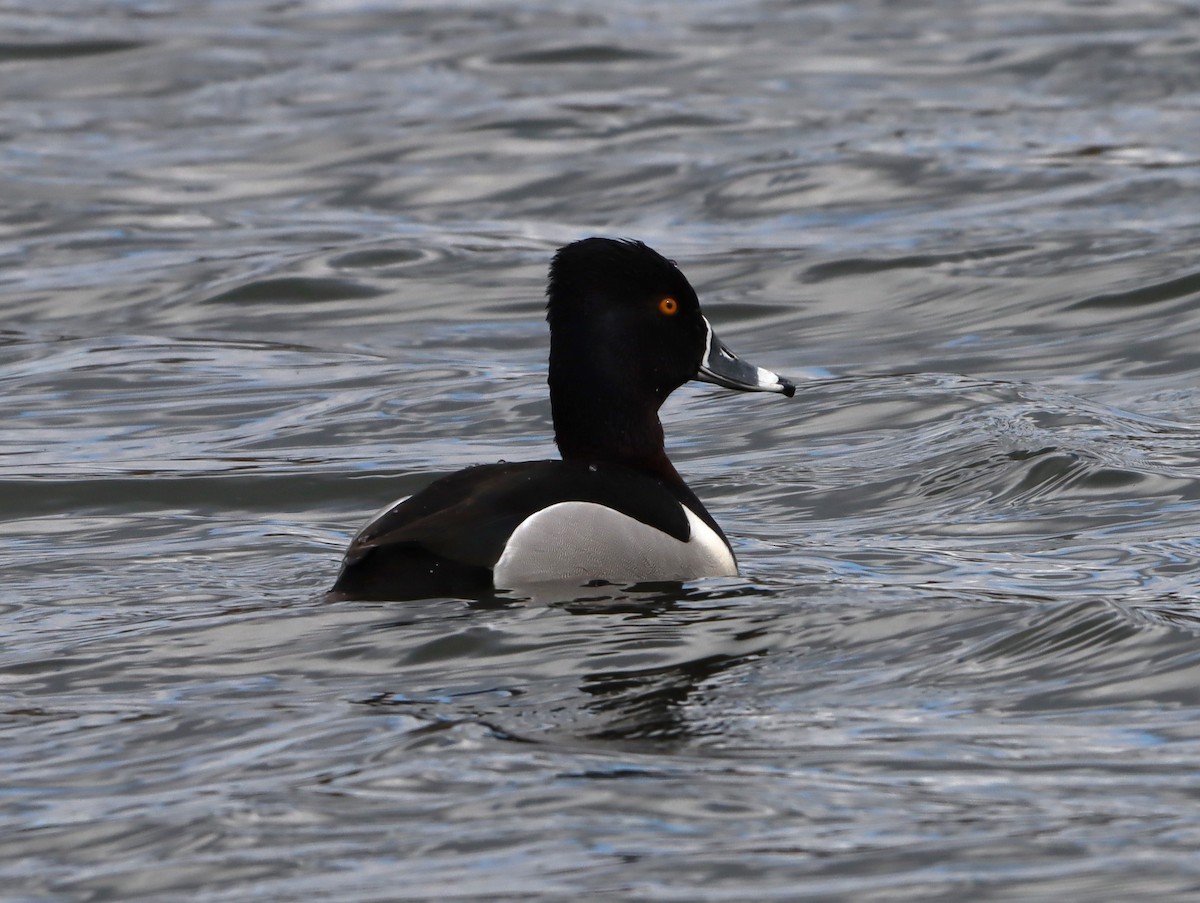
{"x": 613, "y": 429}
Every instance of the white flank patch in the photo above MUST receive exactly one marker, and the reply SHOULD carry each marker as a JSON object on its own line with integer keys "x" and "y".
{"x": 580, "y": 541}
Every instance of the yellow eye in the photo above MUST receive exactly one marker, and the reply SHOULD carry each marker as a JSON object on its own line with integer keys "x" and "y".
{"x": 668, "y": 306}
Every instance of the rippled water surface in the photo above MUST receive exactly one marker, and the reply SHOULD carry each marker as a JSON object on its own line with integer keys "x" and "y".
{"x": 266, "y": 266}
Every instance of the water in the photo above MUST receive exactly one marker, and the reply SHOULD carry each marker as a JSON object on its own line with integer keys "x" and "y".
{"x": 264, "y": 267}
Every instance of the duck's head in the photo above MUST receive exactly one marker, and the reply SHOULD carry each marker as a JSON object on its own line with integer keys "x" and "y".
{"x": 626, "y": 330}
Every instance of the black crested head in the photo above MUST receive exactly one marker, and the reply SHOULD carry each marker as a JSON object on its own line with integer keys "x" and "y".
{"x": 610, "y": 270}
{"x": 622, "y": 313}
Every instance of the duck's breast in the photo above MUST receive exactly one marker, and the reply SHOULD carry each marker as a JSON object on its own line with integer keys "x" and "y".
{"x": 581, "y": 541}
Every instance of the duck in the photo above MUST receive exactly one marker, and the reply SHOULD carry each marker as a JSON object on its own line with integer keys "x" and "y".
{"x": 626, "y": 330}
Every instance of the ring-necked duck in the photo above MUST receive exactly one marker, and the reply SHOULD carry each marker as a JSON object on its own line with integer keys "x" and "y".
{"x": 625, "y": 331}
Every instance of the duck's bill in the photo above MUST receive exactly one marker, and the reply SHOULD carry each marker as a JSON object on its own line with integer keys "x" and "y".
{"x": 722, "y": 367}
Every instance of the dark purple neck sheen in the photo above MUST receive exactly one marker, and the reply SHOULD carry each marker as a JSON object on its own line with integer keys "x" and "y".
{"x": 630, "y": 435}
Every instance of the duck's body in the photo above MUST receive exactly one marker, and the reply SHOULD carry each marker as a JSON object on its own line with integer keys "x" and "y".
{"x": 626, "y": 331}
{"x": 536, "y": 522}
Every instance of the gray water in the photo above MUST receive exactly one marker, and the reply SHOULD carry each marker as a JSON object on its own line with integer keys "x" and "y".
{"x": 267, "y": 266}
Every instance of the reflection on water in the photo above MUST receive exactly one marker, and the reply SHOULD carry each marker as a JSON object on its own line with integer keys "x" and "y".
{"x": 264, "y": 268}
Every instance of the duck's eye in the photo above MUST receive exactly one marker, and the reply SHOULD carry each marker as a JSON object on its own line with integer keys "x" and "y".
{"x": 668, "y": 307}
